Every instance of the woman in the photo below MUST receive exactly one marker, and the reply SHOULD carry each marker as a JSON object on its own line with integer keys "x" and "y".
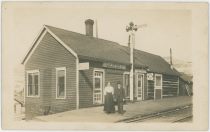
{"x": 109, "y": 102}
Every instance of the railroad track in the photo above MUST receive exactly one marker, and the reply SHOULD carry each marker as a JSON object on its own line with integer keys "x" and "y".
{"x": 142, "y": 118}
{"x": 183, "y": 119}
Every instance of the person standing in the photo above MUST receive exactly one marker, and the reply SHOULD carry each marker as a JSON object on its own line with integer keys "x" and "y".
{"x": 109, "y": 100}
{"x": 120, "y": 97}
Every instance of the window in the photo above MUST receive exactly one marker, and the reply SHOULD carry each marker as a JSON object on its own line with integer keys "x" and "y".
{"x": 97, "y": 83}
{"x": 33, "y": 83}
{"x": 60, "y": 83}
{"x": 158, "y": 80}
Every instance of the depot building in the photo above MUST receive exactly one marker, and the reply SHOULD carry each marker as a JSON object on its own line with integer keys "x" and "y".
{"x": 65, "y": 70}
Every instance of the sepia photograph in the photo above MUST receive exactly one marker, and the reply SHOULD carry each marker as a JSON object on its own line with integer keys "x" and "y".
{"x": 105, "y": 65}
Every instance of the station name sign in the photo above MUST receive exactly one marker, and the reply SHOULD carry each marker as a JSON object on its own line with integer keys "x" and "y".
{"x": 114, "y": 66}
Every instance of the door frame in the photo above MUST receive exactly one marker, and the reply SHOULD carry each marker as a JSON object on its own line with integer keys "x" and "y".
{"x": 126, "y": 73}
{"x": 142, "y": 83}
{"x": 103, "y": 83}
{"x": 160, "y": 87}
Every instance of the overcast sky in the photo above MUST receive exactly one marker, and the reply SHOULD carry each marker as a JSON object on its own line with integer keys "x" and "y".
{"x": 166, "y": 28}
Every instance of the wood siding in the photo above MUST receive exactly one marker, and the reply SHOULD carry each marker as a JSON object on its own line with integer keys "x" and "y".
{"x": 86, "y": 82}
{"x": 150, "y": 93}
{"x": 182, "y": 88}
{"x": 170, "y": 85}
{"x": 145, "y": 87}
{"x": 48, "y": 55}
{"x": 86, "y": 88}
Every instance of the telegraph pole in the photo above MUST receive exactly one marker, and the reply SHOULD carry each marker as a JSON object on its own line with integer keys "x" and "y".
{"x": 132, "y": 29}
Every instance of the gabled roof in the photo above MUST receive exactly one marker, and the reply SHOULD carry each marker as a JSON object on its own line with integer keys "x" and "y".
{"x": 103, "y": 50}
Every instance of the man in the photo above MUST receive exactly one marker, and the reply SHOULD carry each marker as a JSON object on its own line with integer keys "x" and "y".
{"x": 120, "y": 97}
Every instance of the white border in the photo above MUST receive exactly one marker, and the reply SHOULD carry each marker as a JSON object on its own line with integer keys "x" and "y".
{"x": 32, "y": 71}
{"x": 58, "y": 69}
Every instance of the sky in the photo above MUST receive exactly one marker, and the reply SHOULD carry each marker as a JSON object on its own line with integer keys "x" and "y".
{"x": 166, "y": 27}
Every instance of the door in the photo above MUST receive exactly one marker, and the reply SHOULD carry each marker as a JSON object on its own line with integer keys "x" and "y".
{"x": 98, "y": 87}
{"x": 139, "y": 86}
{"x": 158, "y": 86}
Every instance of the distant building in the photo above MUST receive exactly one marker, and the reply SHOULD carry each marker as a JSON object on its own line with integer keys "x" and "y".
{"x": 65, "y": 70}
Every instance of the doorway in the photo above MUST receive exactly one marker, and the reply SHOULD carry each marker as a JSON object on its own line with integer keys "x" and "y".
{"x": 98, "y": 87}
{"x": 158, "y": 86}
{"x": 139, "y": 86}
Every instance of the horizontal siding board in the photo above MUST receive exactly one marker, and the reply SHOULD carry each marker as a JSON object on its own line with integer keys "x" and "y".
{"x": 170, "y": 85}
{"x": 86, "y": 88}
{"x": 150, "y": 89}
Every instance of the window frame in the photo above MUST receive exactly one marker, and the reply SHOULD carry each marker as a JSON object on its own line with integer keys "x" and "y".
{"x": 60, "y": 69}
{"x": 32, "y": 72}
{"x": 161, "y": 83}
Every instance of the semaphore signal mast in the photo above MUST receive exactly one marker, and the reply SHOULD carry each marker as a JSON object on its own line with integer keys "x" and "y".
{"x": 132, "y": 29}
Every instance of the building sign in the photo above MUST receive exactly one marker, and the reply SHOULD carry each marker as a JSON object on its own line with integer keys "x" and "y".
{"x": 84, "y": 66}
{"x": 114, "y": 66}
{"x": 150, "y": 76}
{"x": 114, "y": 71}
{"x": 141, "y": 71}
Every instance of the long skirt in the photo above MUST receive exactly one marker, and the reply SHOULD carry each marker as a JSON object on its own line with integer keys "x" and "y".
{"x": 109, "y": 106}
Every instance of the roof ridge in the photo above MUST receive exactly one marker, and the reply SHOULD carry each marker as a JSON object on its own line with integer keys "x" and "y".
{"x": 142, "y": 57}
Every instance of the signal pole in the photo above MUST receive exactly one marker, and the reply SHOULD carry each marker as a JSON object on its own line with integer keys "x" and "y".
{"x": 132, "y": 29}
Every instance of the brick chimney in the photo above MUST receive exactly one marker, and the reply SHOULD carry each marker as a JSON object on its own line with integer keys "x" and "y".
{"x": 89, "y": 27}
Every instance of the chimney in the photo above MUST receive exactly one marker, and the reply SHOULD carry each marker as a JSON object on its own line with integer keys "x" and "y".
{"x": 89, "y": 27}
{"x": 171, "y": 59}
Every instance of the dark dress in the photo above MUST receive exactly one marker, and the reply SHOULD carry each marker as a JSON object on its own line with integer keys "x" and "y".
{"x": 120, "y": 95}
{"x": 109, "y": 103}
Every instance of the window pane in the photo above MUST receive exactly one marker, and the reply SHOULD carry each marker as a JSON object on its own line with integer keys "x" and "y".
{"x": 30, "y": 91}
{"x": 97, "y": 82}
{"x": 36, "y": 84}
{"x": 139, "y": 83}
{"x": 61, "y": 83}
{"x": 158, "y": 80}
